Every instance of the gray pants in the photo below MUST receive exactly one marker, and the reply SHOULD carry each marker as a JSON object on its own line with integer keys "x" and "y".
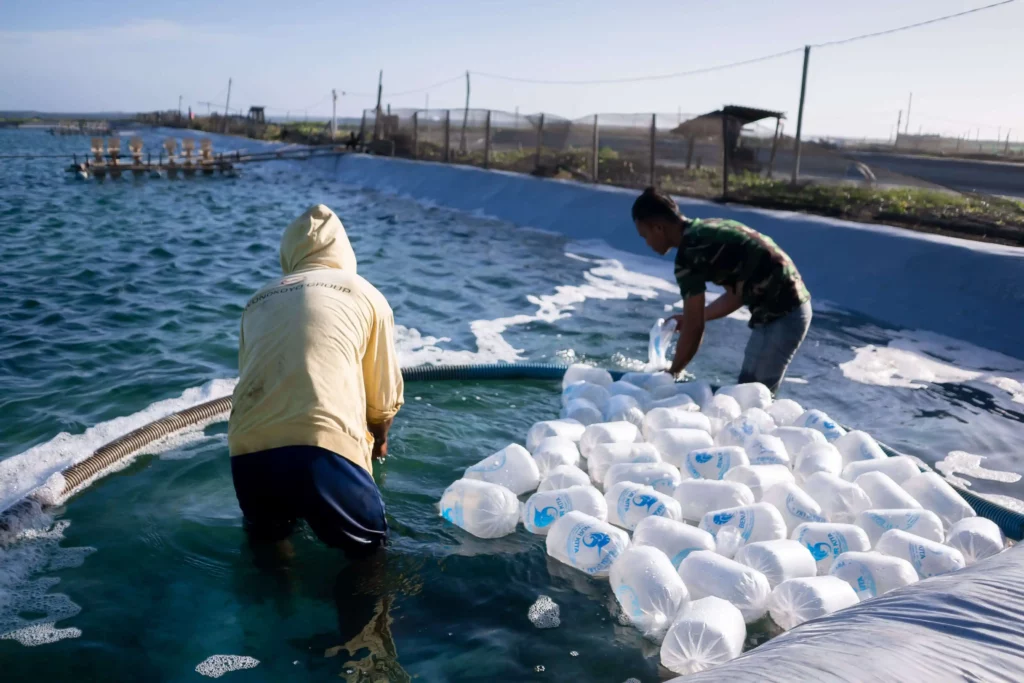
{"x": 771, "y": 348}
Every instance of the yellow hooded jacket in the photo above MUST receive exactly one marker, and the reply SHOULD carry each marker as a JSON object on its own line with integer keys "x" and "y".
{"x": 316, "y": 353}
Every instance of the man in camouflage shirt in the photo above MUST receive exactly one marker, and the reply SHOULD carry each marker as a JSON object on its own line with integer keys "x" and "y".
{"x": 755, "y": 273}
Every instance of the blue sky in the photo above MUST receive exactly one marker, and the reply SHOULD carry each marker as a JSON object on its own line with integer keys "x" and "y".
{"x": 92, "y": 55}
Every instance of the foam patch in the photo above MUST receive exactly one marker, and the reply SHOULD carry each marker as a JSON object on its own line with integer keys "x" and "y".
{"x": 216, "y": 666}
{"x": 545, "y": 613}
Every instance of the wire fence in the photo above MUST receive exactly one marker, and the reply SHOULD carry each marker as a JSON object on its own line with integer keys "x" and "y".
{"x": 706, "y": 155}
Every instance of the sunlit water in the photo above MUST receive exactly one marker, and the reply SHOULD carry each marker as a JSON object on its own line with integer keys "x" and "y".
{"x": 118, "y": 295}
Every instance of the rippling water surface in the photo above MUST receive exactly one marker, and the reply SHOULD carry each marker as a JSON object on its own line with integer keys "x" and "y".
{"x": 119, "y": 295}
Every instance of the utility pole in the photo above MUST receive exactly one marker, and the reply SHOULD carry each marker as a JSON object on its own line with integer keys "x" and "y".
{"x": 1006, "y": 150}
{"x": 179, "y": 106}
{"x": 334, "y": 113}
{"x": 465, "y": 117}
{"x": 799, "y": 116}
{"x": 909, "y": 102}
{"x": 899, "y": 117}
{"x": 380, "y": 91}
{"x": 227, "y": 103}
{"x": 426, "y": 104}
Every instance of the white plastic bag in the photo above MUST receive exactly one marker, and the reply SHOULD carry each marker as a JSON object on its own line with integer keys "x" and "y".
{"x": 697, "y": 497}
{"x": 586, "y": 543}
{"x": 712, "y": 463}
{"x": 621, "y": 388}
{"x": 674, "y": 538}
{"x": 568, "y": 429}
{"x": 679, "y": 401}
{"x": 817, "y": 457}
{"x": 648, "y": 590}
{"x": 784, "y": 411}
{"x": 749, "y": 395}
{"x": 563, "y": 477}
{"x": 933, "y": 493}
{"x": 622, "y": 408}
{"x": 840, "y": 500}
{"x": 707, "y": 632}
{"x": 543, "y": 509}
{"x": 751, "y": 422}
{"x": 608, "y": 432}
{"x": 929, "y": 558}
{"x": 484, "y": 510}
{"x": 796, "y": 439}
{"x": 827, "y": 541}
{"x": 595, "y": 393}
{"x": 884, "y": 492}
{"x": 583, "y": 411}
{"x": 856, "y": 446}
{"x": 798, "y": 600}
{"x": 759, "y": 478}
{"x": 657, "y": 344}
{"x": 675, "y": 444}
{"x": 735, "y": 527}
{"x": 766, "y": 449}
{"x": 816, "y": 419}
{"x": 778, "y": 560}
{"x": 709, "y": 574}
{"x": 699, "y": 390}
{"x": 555, "y": 451}
{"x": 603, "y": 456}
{"x": 660, "y": 476}
{"x": 976, "y": 538}
{"x": 578, "y": 372}
{"x": 924, "y": 523}
{"x": 795, "y": 504}
{"x": 629, "y": 502}
{"x": 871, "y": 574}
{"x": 648, "y": 381}
{"x": 673, "y": 418}
{"x": 899, "y": 468}
{"x": 512, "y": 467}
{"x": 722, "y": 407}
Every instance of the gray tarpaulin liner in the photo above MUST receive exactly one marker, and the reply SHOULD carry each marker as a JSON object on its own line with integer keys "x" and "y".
{"x": 964, "y": 626}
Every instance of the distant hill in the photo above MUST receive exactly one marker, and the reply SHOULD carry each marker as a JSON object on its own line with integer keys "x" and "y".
{"x": 57, "y": 116}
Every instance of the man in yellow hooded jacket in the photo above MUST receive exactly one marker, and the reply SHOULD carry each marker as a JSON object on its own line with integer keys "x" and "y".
{"x": 318, "y": 389}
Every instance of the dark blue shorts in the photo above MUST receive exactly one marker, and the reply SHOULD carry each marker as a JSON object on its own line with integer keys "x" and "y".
{"x": 337, "y": 498}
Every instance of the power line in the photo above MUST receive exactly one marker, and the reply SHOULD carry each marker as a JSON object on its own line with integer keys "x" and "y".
{"x": 910, "y": 26}
{"x": 429, "y": 87}
{"x": 635, "y": 79}
{"x": 730, "y": 65}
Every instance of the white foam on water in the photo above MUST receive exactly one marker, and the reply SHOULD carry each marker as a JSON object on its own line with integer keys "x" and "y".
{"x": 216, "y": 666}
{"x": 23, "y": 474}
{"x": 913, "y": 359}
{"x": 962, "y": 462}
{"x": 29, "y": 545}
{"x": 544, "y": 613}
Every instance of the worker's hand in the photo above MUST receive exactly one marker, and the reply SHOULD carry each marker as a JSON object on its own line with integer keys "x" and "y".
{"x": 678, "y": 318}
{"x": 380, "y": 449}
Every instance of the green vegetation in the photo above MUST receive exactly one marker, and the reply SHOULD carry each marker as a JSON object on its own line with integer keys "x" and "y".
{"x": 975, "y": 216}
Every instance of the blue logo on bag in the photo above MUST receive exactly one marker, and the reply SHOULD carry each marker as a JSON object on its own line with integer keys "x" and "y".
{"x": 722, "y": 518}
{"x": 644, "y": 501}
{"x": 597, "y": 540}
{"x": 819, "y": 551}
{"x": 453, "y": 514}
{"x": 702, "y": 458}
{"x": 628, "y": 600}
{"x": 545, "y": 516}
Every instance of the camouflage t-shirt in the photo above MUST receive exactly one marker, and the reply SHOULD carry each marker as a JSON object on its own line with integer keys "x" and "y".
{"x": 727, "y": 252}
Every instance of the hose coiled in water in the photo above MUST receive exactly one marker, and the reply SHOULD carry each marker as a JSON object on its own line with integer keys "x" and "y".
{"x": 1011, "y": 522}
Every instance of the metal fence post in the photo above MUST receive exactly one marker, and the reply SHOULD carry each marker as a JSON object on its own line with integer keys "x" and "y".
{"x": 654, "y": 121}
{"x": 800, "y": 116}
{"x": 595, "y": 153}
{"x": 447, "y": 135}
{"x": 487, "y": 140}
{"x": 415, "y": 135}
{"x": 725, "y": 155}
{"x": 540, "y": 141}
{"x": 775, "y": 145}
{"x": 689, "y": 151}
{"x": 362, "y": 129}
